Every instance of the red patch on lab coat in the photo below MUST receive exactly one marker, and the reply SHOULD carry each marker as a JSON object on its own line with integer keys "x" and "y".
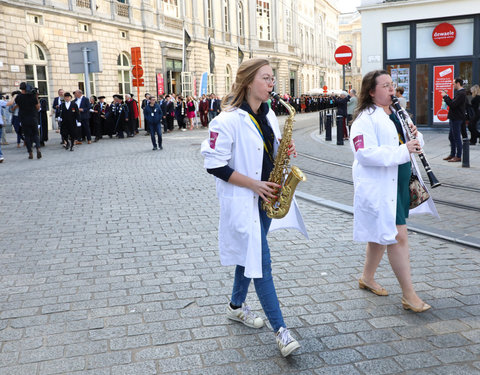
{"x": 358, "y": 142}
{"x": 213, "y": 139}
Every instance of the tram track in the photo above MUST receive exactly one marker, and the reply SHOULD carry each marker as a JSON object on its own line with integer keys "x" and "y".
{"x": 344, "y": 165}
{"x": 350, "y": 182}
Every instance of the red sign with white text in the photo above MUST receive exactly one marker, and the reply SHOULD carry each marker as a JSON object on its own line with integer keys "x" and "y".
{"x": 137, "y": 70}
{"x": 444, "y": 34}
{"x": 343, "y": 55}
{"x": 160, "y": 85}
{"x": 443, "y": 76}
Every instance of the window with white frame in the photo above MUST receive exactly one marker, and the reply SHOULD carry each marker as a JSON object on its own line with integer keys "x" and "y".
{"x": 263, "y": 20}
{"x": 170, "y": 8}
{"x": 209, "y": 14}
{"x": 81, "y": 83}
{"x": 228, "y": 79}
{"x": 123, "y": 71}
{"x": 226, "y": 15}
{"x": 288, "y": 24}
{"x": 241, "y": 25}
{"x": 36, "y": 69}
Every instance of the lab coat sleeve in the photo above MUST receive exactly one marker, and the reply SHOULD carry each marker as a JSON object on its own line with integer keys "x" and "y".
{"x": 217, "y": 148}
{"x": 369, "y": 152}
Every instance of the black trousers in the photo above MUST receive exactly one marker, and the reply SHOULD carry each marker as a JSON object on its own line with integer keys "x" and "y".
{"x": 85, "y": 129}
{"x": 31, "y": 135}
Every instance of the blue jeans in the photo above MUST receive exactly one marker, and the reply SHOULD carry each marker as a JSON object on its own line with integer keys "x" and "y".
{"x": 455, "y": 138}
{"x": 264, "y": 287}
{"x": 155, "y": 128}
{"x": 18, "y": 129}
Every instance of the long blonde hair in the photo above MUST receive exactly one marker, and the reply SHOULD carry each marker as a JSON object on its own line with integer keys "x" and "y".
{"x": 245, "y": 75}
{"x": 475, "y": 89}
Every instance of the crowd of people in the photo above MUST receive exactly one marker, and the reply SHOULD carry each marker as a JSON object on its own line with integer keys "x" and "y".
{"x": 80, "y": 120}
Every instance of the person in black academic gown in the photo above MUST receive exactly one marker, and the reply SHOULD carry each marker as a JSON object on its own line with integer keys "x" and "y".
{"x": 70, "y": 116}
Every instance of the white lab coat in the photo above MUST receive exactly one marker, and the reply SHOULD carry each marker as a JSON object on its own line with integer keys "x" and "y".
{"x": 375, "y": 173}
{"x": 234, "y": 140}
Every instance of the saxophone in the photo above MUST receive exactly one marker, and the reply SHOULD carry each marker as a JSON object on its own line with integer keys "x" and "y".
{"x": 288, "y": 181}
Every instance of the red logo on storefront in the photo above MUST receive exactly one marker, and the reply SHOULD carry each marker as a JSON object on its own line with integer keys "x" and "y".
{"x": 444, "y": 34}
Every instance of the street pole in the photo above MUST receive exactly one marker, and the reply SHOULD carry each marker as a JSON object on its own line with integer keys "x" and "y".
{"x": 343, "y": 77}
{"x": 85, "y": 71}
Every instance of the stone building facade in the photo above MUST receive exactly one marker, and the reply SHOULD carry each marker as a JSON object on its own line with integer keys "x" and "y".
{"x": 299, "y": 38}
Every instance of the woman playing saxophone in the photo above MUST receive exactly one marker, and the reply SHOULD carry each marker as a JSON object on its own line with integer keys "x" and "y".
{"x": 240, "y": 153}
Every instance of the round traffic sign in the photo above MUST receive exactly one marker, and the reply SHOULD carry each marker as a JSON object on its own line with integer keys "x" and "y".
{"x": 325, "y": 89}
{"x": 343, "y": 55}
{"x": 137, "y": 71}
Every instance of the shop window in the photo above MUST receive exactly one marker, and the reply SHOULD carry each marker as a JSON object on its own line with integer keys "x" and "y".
{"x": 401, "y": 78}
{"x": 461, "y": 46}
{"x": 398, "y": 42}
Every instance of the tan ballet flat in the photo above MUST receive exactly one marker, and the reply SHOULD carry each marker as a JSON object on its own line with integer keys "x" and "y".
{"x": 408, "y": 306}
{"x": 379, "y": 292}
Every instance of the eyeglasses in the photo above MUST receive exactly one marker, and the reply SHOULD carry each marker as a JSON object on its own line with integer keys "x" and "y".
{"x": 269, "y": 79}
{"x": 387, "y": 85}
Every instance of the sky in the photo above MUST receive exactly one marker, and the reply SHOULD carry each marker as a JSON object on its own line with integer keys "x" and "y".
{"x": 346, "y": 6}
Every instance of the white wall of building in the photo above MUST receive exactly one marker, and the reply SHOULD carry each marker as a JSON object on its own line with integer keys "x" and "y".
{"x": 375, "y": 13}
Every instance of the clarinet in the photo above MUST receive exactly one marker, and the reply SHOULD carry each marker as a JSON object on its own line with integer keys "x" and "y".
{"x": 404, "y": 120}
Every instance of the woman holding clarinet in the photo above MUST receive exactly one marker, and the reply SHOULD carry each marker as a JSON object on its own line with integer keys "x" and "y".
{"x": 384, "y": 161}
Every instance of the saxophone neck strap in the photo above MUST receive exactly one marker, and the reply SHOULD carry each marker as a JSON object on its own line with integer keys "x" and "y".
{"x": 259, "y": 129}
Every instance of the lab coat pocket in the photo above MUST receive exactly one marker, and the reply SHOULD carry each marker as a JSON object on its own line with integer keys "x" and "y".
{"x": 367, "y": 196}
{"x": 235, "y": 213}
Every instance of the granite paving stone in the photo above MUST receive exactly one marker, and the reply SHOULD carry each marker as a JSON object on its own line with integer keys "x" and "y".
{"x": 119, "y": 270}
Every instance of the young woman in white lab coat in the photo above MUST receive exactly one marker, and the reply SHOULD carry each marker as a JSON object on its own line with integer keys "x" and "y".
{"x": 240, "y": 153}
{"x": 381, "y": 174}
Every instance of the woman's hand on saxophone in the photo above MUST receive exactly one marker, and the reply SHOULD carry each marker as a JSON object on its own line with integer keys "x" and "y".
{"x": 265, "y": 189}
{"x": 291, "y": 149}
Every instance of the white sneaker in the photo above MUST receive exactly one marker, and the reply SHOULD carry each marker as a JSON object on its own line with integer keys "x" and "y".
{"x": 245, "y": 316}
{"x": 286, "y": 343}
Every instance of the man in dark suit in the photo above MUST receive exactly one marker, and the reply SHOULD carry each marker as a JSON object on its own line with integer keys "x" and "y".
{"x": 99, "y": 115}
{"x": 56, "y": 109}
{"x": 83, "y": 105}
{"x": 212, "y": 112}
{"x": 70, "y": 119}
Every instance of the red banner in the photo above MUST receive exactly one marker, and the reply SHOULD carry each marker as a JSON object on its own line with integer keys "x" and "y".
{"x": 443, "y": 76}
{"x": 137, "y": 70}
{"x": 160, "y": 85}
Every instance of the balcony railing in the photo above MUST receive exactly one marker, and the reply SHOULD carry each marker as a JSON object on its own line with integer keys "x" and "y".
{"x": 122, "y": 9}
{"x": 84, "y": 4}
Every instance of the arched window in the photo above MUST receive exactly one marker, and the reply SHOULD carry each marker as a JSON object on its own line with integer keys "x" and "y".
{"x": 263, "y": 19}
{"x": 36, "y": 69}
{"x": 228, "y": 79}
{"x": 124, "y": 80}
{"x": 226, "y": 15}
{"x": 241, "y": 25}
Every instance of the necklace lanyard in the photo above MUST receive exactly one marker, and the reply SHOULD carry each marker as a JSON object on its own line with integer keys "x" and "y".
{"x": 257, "y": 126}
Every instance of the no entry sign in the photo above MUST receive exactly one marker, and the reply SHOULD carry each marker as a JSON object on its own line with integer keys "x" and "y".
{"x": 343, "y": 55}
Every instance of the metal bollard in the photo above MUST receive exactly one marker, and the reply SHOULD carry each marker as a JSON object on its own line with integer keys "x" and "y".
{"x": 339, "y": 130}
{"x": 466, "y": 153}
{"x": 320, "y": 121}
{"x": 328, "y": 128}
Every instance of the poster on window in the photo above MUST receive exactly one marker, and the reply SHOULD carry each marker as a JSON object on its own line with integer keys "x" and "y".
{"x": 443, "y": 76}
{"x": 401, "y": 78}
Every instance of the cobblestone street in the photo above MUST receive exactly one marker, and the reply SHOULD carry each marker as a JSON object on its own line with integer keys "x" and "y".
{"x": 109, "y": 266}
